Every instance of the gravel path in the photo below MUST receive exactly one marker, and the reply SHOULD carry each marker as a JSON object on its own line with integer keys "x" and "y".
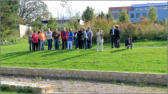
{"x": 79, "y": 86}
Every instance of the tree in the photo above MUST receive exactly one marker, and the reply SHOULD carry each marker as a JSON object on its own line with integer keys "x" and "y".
{"x": 152, "y": 14}
{"x": 9, "y": 17}
{"x": 109, "y": 16}
{"x": 52, "y": 23}
{"x": 88, "y": 14}
{"x": 101, "y": 15}
{"x": 30, "y": 10}
{"x": 37, "y": 24}
{"x": 124, "y": 17}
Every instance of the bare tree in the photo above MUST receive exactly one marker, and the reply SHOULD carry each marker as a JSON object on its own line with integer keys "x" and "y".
{"x": 31, "y": 10}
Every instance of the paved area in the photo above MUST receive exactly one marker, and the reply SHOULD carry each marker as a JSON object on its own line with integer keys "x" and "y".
{"x": 79, "y": 86}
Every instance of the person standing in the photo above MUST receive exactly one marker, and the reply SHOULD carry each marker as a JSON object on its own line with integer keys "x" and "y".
{"x": 30, "y": 41}
{"x": 100, "y": 40}
{"x": 76, "y": 39}
{"x": 90, "y": 35}
{"x": 70, "y": 39}
{"x": 64, "y": 38}
{"x": 49, "y": 39}
{"x": 56, "y": 36}
{"x": 42, "y": 40}
{"x": 85, "y": 39}
{"x": 112, "y": 35}
{"x": 117, "y": 37}
{"x": 80, "y": 38}
{"x": 35, "y": 41}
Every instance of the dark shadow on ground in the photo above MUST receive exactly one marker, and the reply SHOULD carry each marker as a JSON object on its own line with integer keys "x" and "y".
{"x": 118, "y": 50}
{"x": 14, "y": 54}
{"x": 56, "y": 52}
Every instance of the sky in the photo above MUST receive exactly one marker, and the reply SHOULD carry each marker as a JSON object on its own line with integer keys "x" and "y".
{"x": 74, "y": 7}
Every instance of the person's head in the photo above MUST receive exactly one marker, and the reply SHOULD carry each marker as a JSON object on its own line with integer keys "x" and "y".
{"x": 81, "y": 29}
{"x": 70, "y": 30}
{"x": 55, "y": 30}
{"x": 64, "y": 29}
{"x": 89, "y": 28}
{"x": 98, "y": 30}
{"x": 113, "y": 26}
{"x": 48, "y": 29}
{"x": 116, "y": 26}
{"x": 34, "y": 31}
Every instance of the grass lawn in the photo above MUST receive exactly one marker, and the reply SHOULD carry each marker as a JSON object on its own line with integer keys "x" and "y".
{"x": 12, "y": 92}
{"x": 140, "y": 59}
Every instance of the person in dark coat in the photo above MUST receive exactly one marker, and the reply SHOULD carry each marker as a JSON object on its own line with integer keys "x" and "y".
{"x": 128, "y": 42}
{"x": 117, "y": 37}
{"x": 56, "y": 36}
{"x": 89, "y": 35}
{"x": 112, "y": 36}
{"x": 80, "y": 38}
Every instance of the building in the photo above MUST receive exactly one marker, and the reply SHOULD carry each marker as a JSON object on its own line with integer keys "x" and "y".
{"x": 137, "y": 11}
{"x": 116, "y": 11}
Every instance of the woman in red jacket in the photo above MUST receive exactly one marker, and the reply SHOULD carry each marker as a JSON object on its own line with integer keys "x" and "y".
{"x": 35, "y": 41}
{"x": 64, "y": 38}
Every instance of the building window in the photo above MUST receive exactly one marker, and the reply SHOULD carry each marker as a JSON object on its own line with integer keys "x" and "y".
{"x": 132, "y": 15}
{"x": 116, "y": 11}
{"x": 137, "y": 15}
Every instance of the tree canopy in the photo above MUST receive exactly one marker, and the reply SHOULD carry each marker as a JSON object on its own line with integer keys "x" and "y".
{"x": 124, "y": 17}
{"x": 152, "y": 14}
{"x": 88, "y": 14}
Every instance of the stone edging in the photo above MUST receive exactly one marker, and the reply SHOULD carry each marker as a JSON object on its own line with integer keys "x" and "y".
{"x": 150, "y": 78}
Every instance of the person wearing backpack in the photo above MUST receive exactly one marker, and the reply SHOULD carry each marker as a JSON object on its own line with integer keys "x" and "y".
{"x": 112, "y": 35}
{"x": 49, "y": 39}
{"x": 80, "y": 38}
{"x": 35, "y": 41}
{"x": 90, "y": 35}
{"x": 70, "y": 39}
{"x": 56, "y": 36}
{"x": 64, "y": 38}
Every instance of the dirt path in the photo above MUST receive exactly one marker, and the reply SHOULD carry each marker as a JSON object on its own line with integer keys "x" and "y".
{"x": 78, "y": 86}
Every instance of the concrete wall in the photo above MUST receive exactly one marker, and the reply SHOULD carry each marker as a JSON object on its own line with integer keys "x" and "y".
{"x": 89, "y": 75}
{"x": 23, "y": 29}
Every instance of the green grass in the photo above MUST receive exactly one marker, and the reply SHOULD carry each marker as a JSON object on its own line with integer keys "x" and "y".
{"x": 12, "y": 92}
{"x": 145, "y": 59}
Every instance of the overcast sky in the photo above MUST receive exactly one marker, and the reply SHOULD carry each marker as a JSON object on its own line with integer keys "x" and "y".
{"x": 79, "y": 6}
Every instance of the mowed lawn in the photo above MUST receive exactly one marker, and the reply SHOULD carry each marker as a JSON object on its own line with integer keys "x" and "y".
{"x": 149, "y": 57}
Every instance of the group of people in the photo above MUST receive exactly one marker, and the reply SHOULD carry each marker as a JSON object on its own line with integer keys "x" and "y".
{"x": 82, "y": 39}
